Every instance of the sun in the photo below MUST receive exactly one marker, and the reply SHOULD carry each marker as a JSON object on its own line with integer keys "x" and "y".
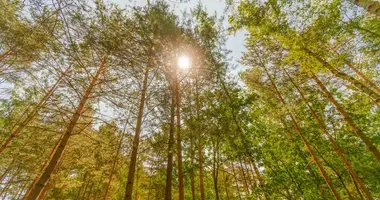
{"x": 183, "y": 62}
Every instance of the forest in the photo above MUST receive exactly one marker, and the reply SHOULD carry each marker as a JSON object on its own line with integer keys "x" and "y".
{"x": 106, "y": 101}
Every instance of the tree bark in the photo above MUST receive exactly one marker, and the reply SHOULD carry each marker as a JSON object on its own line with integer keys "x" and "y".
{"x": 305, "y": 141}
{"x": 169, "y": 166}
{"x": 334, "y": 144}
{"x": 136, "y": 139}
{"x": 43, "y": 166}
{"x": 179, "y": 141}
{"x": 41, "y": 183}
{"x": 200, "y": 154}
{"x": 192, "y": 166}
{"x": 348, "y": 119}
{"x": 30, "y": 116}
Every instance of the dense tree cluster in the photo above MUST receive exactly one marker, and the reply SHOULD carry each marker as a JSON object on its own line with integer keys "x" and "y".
{"x": 94, "y": 105}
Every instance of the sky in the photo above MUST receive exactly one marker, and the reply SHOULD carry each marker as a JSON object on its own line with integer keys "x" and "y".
{"x": 234, "y": 43}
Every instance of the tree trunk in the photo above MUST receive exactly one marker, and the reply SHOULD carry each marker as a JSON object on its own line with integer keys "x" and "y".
{"x": 339, "y": 177}
{"x": 348, "y": 119}
{"x": 113, "y": 167}
{"x": 357, "y": 84}
{"x": 249, "y": 177}
{"x": 9, "y": 168}
{"x": 364, "y": 77}
{"x": 372, "y": 6}
{"x": 137, "y": 183}
{"x": 360, "y": 86}
{"x": 41, "y": 183}
{"x": 244, "y": 178}
{"x": 18, "y": 195}
{"x": 236, "y": 181}
{"x": 334, "y": 144}
{"x": 169, "y": 166}
{"x": 215, "y": 170}
{"x": 179, "y": 141}
{"x": 5, "y": 54}
{"x": 43, "y": 166}
{"x": 305, "y": 141}
{"x": 90, "y": 192}
{"x": 136, "y": 139}
{"x": 259, "y": 179}
{"x": 359, "y": 73}
{"x": 30, "y": 116}
{"x": 226, "y": 184}
{"x": 9, "y": 183}
{"x": 80, "y": 189}
{"x": 192, "y": 166}
{"x": 200, "y": 154}
{"x": 50, "y": 183}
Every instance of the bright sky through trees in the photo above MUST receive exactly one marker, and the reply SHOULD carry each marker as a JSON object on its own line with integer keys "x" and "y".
{"x": 224, "y": 100}
{"x": 183, "y": 62}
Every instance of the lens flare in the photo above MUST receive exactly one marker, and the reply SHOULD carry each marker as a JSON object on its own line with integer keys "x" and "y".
{"x": 184, "y": 62}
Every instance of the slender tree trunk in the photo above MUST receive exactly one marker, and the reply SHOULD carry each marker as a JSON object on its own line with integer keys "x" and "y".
{"x": 41, "y": 183}
{"x": 82, "y": 186}
{"x": 9, "y": 51}
{"x": 85, "y": 189}
{"x": 43, "y": 166}
{"x": 169, "y": 166}
{"x": 50, "y": 183}
{"x": 200, "y": 154}
{"x": 98, "y": 187}
{"x": 30, "y": 116}
{"x": 136, "y": 139}
{"x": 316, "y": 181}
{"x": 90, "y": 192}
{"x": 305, "y": 141}
{"x": 244, "y": 178}
{"x": 179, "y": 141}
{"x": 18, "y": 195}
{"x": 359, "y": 73}
{"x": 9, "y": 183}
{"x": 334, "y": 144}
{"x": 357, "y": 84}
{"x": 215, "y": 171}
{"x": 259, "y": 179}
{"x": 372, "y": 6}
{"x": 201, "y": 176}
{"x": 192, "y": 166}
{"x": 9, "y": 168}
{"x": 348, "y": 119}
{"x": 249, "y": 177}
{"x": 364, "y": 77}
{"x": 255, "y": 181}
{"x": 236, "y": 181}
{"x": 356, "y": 187}
{"x": 137, "y": 183}
{"x": 226, "y": 184}
{"x": 360, "y": 86}
{"x": 113, "y": 167}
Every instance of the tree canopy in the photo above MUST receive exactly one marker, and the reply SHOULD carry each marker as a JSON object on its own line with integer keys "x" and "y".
{"x": 99, "y": 101}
